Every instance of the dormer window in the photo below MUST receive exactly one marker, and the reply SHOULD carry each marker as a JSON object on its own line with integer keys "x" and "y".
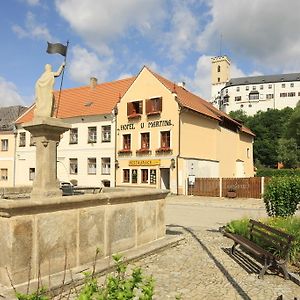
{"x": 154, "y": 106}
{"x": 134, "y": 109}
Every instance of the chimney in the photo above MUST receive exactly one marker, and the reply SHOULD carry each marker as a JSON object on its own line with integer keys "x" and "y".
{"x": 181, "y": 84}
{"x": 93, "y": 82}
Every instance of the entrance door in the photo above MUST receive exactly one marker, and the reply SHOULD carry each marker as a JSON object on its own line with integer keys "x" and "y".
{"x": 240, "y": 170}
{"x": 165, "y": 179}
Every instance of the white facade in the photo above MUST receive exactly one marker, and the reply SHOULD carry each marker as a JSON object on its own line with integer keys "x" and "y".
{"x": 253, "y": 97}
{"x": 86, "y": 153}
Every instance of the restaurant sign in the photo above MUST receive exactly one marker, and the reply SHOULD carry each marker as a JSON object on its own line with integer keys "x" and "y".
{"x": 146, "y": 162}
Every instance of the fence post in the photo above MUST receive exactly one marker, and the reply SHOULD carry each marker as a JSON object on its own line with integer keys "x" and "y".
{"x": 262, "y": 182}
{"x": 220, "y": 186}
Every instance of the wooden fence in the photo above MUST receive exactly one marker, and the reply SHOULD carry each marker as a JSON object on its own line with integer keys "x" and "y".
{"x": 251, "y": 187}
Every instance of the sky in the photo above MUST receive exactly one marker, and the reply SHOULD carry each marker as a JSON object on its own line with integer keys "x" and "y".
{"x": 114, "y": 39}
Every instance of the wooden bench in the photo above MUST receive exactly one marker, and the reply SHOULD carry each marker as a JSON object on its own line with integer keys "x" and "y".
{"x": 278, "y": 240}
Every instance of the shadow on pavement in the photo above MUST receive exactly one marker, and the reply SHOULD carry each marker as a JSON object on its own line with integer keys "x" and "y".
{"x": 219, "y": 265}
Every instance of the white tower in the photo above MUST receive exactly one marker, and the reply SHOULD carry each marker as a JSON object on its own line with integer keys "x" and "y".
{"x": 220, "y": 74}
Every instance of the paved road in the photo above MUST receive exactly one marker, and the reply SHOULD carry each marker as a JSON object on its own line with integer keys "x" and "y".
{"x": 200, "y": 267}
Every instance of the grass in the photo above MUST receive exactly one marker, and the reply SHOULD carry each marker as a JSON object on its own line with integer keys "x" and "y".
{"x": 290, "y": 225}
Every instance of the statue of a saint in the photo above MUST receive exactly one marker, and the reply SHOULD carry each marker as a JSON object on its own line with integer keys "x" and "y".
{"x": 44, "y": 92}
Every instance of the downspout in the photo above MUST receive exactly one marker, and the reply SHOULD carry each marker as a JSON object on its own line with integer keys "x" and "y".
{"x": 116, "y": 164}
{"x": 15, "y": 155}
{"x": 179, "y": 147}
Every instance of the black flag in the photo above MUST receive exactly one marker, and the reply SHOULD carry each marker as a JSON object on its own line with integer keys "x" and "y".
{"x": 57, "y": 48}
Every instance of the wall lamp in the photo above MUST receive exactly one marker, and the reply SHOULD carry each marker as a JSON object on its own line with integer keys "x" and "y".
{"x": 117, "y": 164}
{"x": 172, "y": 166}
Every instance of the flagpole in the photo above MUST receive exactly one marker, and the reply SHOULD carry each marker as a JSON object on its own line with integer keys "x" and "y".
{"x": 62, "y": 79}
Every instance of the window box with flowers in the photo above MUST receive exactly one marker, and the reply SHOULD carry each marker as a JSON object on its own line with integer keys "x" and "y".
{"x": 163, "y": 150}
{"x": 143, "y": 151}
{"x": 124, "y": 151}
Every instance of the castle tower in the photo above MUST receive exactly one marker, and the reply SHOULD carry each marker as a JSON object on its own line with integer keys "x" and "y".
{"x": 220, "y": 74}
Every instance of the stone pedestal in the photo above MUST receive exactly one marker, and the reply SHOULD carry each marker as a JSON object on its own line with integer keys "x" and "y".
{"x": 46, "y": 134}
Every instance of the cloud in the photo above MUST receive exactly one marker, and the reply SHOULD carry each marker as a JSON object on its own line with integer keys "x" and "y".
{"x": 184, "y": 27}
{"x": 99, "y": 22}
{"x": 32, "y": 29}
{"x": 33, "y": 2}
{"x": 9, "y": 94}
{"x": 85, "y": 64}
{"x": 260, "y": 30}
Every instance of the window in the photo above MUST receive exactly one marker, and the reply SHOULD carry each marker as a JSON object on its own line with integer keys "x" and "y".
{"x": 165, "y": 139}
{"x": 226, "y": 91}
{"x": 31, "y": 174}
{"x": 92, "y": 166}
{"x": 3, "y": 174}
{"x": 283, "y": 85}
{"x": 291, "y": 94}
{"x": 105, "y": 166}
{"x": 106, "y": 183}
{"x": 126, "y": 142}
{"x": 106, "y": 133}
{"x": 247, "y": 88}
{"x": 248, "y": 153}
{"x": 92, "y": 134}
{"x": 269, "y": 96}
{"x": 237, "y": 88}
{"x": 238, "y": 98}
{"x": 144, "y": 175}
{"x": 73, "y": 166}
{"x": 154, "y": 106}
{"x": 134, "y": 176}
{"x": 253, "y": 96}
{"x": 261, "y": 87}
{"x": 32, "y": 142}
{"x": 22, "y": 139}
{"x": 73, "y": 136}
{"x": 299, "y": 94}
{"x": 219, "y": 69}
{"x": 242, "y": 105}
{"x": 152, "y": 176}
{"x": 218, "y": 79}
{"x": 254, "y": 88}
{"x": 4, "y": 145}
{"x": 283, "y": 94}
{"x": 292, "y": 84}
{"x": 126, "y": 175}
{"x": 269, "y": 86}
{"x": 134, "y": 108}
{"x": 145, "y": 140}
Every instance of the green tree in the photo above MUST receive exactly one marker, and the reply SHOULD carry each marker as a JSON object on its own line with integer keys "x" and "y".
{"x": 288, "y": 152}
{"x": 293, "y": 125}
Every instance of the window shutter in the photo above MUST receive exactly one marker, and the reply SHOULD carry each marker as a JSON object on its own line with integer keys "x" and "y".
{"x": 148, "y": 106}
{"x": 130, "y": 108}
{"x": 140, "y": 107}
{"x": 160, "y": 104}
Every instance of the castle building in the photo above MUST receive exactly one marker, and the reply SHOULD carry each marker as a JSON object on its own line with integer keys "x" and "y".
{"x": 254, "y": 93}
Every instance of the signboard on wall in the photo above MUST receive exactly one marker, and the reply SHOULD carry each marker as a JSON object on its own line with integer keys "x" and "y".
{"x": 192, "y": 179}
{"x": 145, "y": 162}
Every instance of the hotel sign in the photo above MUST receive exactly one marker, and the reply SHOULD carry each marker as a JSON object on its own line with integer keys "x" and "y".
{"x": 150, "y": 124}
{"x": 146, "y": 162}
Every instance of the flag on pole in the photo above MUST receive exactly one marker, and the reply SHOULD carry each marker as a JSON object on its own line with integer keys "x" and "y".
{"x": 57, "y": 48}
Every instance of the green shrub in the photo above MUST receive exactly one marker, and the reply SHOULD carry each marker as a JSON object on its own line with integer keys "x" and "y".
{"x": 290, "y": 225}
{"x": 268, "y": 172}
{"x": 282, "y": 196}
{"x": 119, "y": 286}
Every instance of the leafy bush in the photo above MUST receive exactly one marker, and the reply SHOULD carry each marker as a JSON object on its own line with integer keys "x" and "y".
{"x": 267, "y": 172}
{"x": 119, "y": 286}
{"x": 282, "y": 196}
{"x": 290, "y": 225}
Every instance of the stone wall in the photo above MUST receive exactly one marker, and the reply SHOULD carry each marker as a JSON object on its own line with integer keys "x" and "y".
{"x": 38, "y": 235}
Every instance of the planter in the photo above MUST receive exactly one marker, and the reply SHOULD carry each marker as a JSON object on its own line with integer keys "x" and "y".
{"x": 231, "y": 194}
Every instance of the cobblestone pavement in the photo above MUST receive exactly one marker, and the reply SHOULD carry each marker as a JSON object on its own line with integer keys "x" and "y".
{"x": 200, "y": 267}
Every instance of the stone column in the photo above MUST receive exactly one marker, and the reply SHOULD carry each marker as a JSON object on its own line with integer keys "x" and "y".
{"x": 46, "y": 133}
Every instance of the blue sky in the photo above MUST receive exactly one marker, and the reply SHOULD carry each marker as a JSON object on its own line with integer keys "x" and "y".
{"x": 114, "y": 39}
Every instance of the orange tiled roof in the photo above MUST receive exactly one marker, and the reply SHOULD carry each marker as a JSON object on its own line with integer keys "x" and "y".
{"x": 194, "y": 102}
{"x": 86, "y": 101}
